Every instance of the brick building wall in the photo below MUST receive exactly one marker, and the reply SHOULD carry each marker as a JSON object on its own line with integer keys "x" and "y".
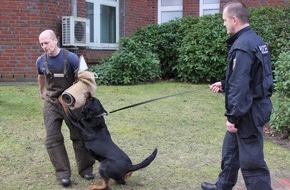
{"x": 139, "y": 14}
{"x": 190, "y": 8}
{"x": 21, "y": 22}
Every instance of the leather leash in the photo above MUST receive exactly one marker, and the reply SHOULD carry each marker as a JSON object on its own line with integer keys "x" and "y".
{"x": 145, "y": 102}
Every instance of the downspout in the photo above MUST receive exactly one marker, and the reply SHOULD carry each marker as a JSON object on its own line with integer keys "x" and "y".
{"x": 74, "y": 8}
{"x": 74, "y": 13}
{"x": 124, "y": 14}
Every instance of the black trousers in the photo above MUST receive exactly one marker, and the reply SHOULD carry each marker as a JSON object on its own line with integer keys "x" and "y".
{"x": 244, "y": 150}
{"x": 53, "y": 119}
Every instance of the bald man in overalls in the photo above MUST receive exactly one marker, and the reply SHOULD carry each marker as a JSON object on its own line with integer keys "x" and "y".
{"x": 57, "y": 70}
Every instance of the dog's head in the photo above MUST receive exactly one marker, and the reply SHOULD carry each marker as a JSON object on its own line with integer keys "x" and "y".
{"x": 92, "y": 108}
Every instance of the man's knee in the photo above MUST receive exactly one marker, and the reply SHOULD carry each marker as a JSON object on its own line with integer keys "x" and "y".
{"x": 53, "y": 141}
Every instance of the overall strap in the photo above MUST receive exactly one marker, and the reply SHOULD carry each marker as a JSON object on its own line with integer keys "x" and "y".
{"x": 45, "y": 63}
{"x": 65, "y": 55}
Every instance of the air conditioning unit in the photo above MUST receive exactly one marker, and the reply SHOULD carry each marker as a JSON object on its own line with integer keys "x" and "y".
{"x": 75, "y": 31}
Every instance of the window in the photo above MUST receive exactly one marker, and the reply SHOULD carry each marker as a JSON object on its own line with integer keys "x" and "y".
{"x": 104, "y": 23}
{"x": 169, "y": 10}
{"x": 209, "y": 7}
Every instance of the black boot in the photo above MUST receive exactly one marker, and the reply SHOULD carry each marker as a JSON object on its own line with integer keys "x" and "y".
{"x": 65, "y": 182}
{"x": 88, "y": 176}
{"x": 208, "y": 186}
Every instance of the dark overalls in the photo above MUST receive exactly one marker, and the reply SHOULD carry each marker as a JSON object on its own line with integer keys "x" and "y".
{"x": 248, "y": 87}
{"x": 56, "y": 83}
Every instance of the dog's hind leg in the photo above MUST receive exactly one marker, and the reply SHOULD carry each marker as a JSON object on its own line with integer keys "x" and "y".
{"x": 105, "y": 176}
{"x": 104, "y": 186}
{"x": 123, "y": 181}
{"x": 120, "y": 181}
{"x": 128, "y": 175}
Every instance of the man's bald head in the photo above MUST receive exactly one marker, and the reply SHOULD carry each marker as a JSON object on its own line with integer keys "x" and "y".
{"x": 47, "y": 34}
{"x": 48, "y": 42}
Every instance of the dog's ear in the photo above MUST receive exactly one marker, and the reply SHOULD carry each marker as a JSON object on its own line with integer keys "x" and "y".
{"x": 87, "y": 110}
{"x": 101, "y": 109}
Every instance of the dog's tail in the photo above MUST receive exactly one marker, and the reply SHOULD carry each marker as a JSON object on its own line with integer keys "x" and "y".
{"x": 144, "y": 163}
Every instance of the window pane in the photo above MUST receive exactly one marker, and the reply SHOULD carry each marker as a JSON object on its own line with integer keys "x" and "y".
{"x": 167, "y": 16}
{"x": 171, "y": 2}
{"x": 90, "y": 15}
{"x": 108, "y": 24}
{"x": 210, "y": 11}
{"x": 210, "y": 1}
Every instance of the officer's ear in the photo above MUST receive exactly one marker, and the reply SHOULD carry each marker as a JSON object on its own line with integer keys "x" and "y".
{"x": 236, "y": 20}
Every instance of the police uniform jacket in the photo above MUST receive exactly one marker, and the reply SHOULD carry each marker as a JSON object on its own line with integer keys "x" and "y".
{"x": 248, "y": 78}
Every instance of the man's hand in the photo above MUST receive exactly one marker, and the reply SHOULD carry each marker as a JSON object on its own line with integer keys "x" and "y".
{"x": 231, "y": 127}
{"x": 42, "y": 95}
{"x": 216, "y": 87}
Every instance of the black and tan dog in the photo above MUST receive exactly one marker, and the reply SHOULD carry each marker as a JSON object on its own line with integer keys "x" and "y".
{"x": 114, "y": 163}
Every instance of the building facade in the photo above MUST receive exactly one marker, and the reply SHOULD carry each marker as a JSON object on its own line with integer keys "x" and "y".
{"x": 88, "y": 27}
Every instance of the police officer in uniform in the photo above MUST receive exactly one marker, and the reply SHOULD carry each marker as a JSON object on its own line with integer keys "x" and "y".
{"x": 57, "y": 70}
{"x": 247, "y": 89}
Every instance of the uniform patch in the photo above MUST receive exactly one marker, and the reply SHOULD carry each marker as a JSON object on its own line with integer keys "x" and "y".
{"x": 263, "y": 49}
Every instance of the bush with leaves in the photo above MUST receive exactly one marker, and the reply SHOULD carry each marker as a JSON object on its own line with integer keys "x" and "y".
{"x": 280, "y": 119}
{"x": 272, "y": 24}
{"x": 130, "y": 65}
{"x": 202, "y": 53}
{"x": 156, "y": 43}
{"x": 164, "y": 40}
{"x": 191, "y": 49}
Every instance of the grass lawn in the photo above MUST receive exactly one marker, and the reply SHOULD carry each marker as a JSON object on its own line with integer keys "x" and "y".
{"x": 187, "y": 130}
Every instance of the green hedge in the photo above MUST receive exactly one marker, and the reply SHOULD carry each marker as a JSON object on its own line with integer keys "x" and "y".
{"x": 164, "y": 40}
{"x": 272, "y": 24}
{"x": 130, "y": 65}
{"x": 191, "y": 49}
{"x": 202, "y": 52}
{"x": 280, "y": 118}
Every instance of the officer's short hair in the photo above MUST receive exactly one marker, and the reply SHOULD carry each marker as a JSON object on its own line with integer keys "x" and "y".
{"x": 238, "y": 9}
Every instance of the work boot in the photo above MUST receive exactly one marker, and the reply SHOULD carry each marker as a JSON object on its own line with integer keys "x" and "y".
{"x": 88, "y": 176}
{"x": 208, "y": 186}
{"x": 65, "y": 182}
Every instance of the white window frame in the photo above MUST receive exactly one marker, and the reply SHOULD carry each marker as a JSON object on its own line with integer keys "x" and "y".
{"x": 97, "y": 22}
{"x": 203, "y": 6}
{"x": 167, "y": 9}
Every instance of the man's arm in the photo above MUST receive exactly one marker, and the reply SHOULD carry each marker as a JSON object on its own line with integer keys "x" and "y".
{"x": 41, "y": 83}
{"x": 239, "y": 95}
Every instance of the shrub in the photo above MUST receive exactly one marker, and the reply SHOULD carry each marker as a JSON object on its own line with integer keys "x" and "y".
{"x": 272, "y": 24}
{"x": 130, "y": 65}
{"x": 202, "y": 53}
{"x": 156, "y": 43}
{"x": 280, "y": 119}
{"x": 191, "y": 49}
{"x": 163, "y": 40}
